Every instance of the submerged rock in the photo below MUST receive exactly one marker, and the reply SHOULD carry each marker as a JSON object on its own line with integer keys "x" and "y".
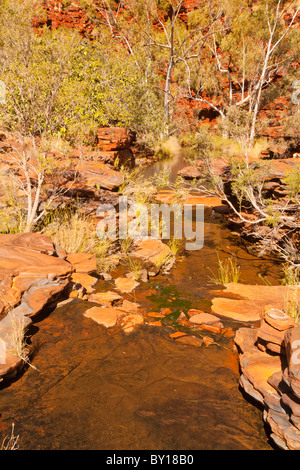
{"x": 130, "y": 322}
{"x": 106, "y": 316}
{"x": 190, "y": 341}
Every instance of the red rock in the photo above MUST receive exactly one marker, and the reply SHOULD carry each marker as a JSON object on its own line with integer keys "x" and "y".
{"x": 207, "y": 340}
{"x": 104, "y": 315}
{"x": 250, "y": 390}
{"x": 251, "y": 300}
{"x": 130, "y": 322}
{"x": 228, "y": 332}
{"x": 274, "y": 348}
{"x": 213, "y": 328}
{"x": 190, "y": 341}
{"x": 95, "y": 174}
{"x": 178, "y": 334}
{"x": 155, "y": 315}
{"x": 278, "y": 319}
{"x": 193, "y": 312}
{"x": 125, "y": 284}
{"x": 82, "y": 262}
{"x": 258, "y": 368}
{"x": 165, "y": 311}
{"x": 105, "y": 298}
{"x": 33, "y": 241}
{"x": 114, "y": 138}
{"x": 270, "y": 334}
{"x": 292, "y": 402}
{"x": 182, "y": 317}
{"x": 129, "y": 307}
{"x": 155, "y": 323}
{"x": 205, "y": 318}
{"x": 153, "y": 251}
{"x": 190, "y": 172}
{"x": 85, "y": 280}
{"x": 184, "y": 323}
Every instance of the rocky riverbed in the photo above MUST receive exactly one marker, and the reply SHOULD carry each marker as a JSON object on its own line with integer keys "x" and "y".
{"x": 59, "y": 300}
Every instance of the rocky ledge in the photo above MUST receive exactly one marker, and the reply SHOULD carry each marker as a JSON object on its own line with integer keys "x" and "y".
{"x": 270, "y": 373}
{"x": 34, "y": 274}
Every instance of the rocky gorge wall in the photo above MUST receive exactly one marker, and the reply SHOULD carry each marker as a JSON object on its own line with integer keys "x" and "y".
{"x": 73, "y": 16}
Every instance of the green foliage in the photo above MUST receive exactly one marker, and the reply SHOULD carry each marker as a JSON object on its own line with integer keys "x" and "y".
{"x": 292, "y": 182}
{"x": 292, "y": 304}
{"x": 291, "y": 275}
{"x": 59, "y": 83}
{"x": 248, "y": 180}
{"x": 76, "y": 233}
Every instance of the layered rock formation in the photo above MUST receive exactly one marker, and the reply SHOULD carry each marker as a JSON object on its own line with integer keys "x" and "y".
{"x": 34, "y": 275}
{"x": 270, "y": 373}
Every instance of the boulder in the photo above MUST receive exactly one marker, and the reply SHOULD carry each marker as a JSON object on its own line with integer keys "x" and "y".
{"x": 190, "y": 172}
{"x": 114, "y": 138}
{"x": 98, "y": 175}
{"x": 278, "y": 319}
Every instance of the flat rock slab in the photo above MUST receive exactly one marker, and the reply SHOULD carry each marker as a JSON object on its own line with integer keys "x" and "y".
{"x": 105, "y": 298}
{"x": 104, "y": 315}
{"x": 259, "y": 369}
{"x": 201, "y": 318}
{"x": 34, "y": 241}
{"x": 153, "y": 251}
{"x": 249, "y": 301}
{"x": 98, "y": 174}
{"x": 28, "y": 265}
{"x": 23, "y": 259}
{"x": 129, "y": 307}
{"x": 169, "y": 197}
{"x": 125, "y": 284}
{"x": 130, "y": 322}
{"x": 84, "y": 263}
{"x": 278, "y": 319}
{"x": 190, "y": 341}
{"x": 85, "y": 280}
